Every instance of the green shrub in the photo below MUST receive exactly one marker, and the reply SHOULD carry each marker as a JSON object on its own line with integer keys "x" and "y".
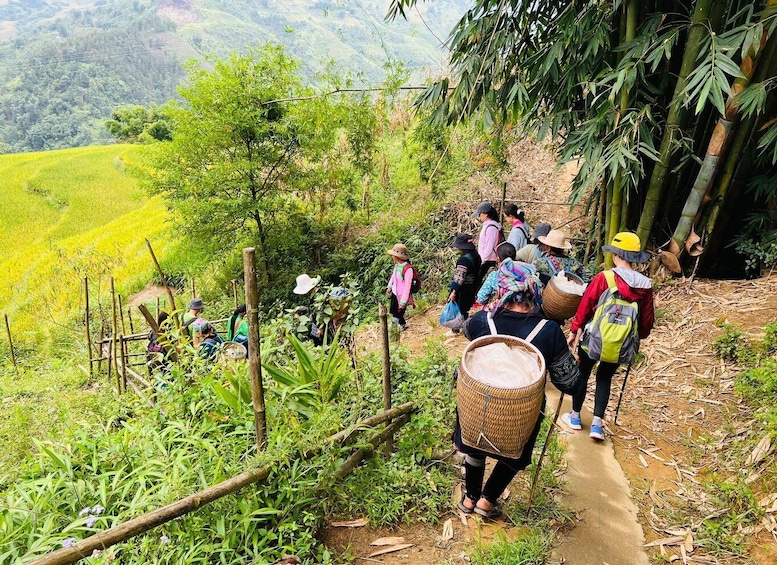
{"x": 728, "y": 345}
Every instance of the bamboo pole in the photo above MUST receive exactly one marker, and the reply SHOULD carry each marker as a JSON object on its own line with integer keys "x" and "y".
{"x": 194, "y": 289}
{"x": 114, "y": 332}
{"x": 234, "y": 292}
{"x": 10, "y": 342}
{"x": 121, "y": 315}
{"x": 386, "y": 367}
{"x": 254, "y": 356}
{"x": 167, "y": 286}
{"x": 360, "y": 454}
{"x": 87, "y": 318}
{"x": 149, "y": 318}
{"x": 123, "y": 346}
{"x": 158, "y": 309}
{"x": 129, "y": 316}
{"x": 141, "y": 524}
{"x": 542, "y": 454}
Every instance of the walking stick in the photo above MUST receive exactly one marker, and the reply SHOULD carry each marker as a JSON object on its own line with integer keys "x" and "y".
{"x": 542, "y": 455}
{"x": 623, "y": 387}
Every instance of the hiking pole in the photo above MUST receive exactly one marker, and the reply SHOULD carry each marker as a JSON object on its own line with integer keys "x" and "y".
{"x": 542, "y": 455}
{"x": 623, "y": 387}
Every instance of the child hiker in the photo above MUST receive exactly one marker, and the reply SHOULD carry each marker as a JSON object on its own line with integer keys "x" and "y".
{"x": 400, "y": 284}
{"x": 632, "y": 287}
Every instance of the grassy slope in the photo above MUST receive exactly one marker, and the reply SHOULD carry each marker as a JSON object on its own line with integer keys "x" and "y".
{"x": 66, "y": 214}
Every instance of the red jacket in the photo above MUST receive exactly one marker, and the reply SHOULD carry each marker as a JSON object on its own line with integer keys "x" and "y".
{"x": 632, "y": 286}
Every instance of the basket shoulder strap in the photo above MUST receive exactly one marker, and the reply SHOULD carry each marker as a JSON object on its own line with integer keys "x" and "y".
{"x": 491, "y": 324}
{"x": 536, "y": 330}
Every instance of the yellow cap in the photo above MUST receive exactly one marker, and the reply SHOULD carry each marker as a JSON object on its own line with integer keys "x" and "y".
{"x": 627, "y": 241}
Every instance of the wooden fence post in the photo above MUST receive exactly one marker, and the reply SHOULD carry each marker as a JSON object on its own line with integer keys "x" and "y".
{"x": 234, "y": 292}
{"x": 254, "y": 356}
{"x": 124, "y": 360}
{"x": 386, "y": 369}
{"x": 132, "y": 326}
{"x": 10, "y": 343}
{"x": 121, "y": 315}
{"x": 88, "y": 330}
{"x": 114, "y": 332}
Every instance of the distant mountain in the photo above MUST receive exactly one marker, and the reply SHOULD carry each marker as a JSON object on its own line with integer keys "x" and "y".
{"x": 65, "y": 64}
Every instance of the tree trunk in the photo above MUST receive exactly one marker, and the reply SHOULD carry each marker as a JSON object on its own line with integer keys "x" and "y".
{"x": 676, "y": 118}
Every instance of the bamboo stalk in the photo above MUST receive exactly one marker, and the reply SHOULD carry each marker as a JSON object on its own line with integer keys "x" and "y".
{"x": 386, "y": 367}
{"x": 254, "y": 356}
{"x": 87, "y": 318}
{"x": 141, "y": 524}
{"x": 149, "y": 318}
{"x": 194, "y": 289}
{"x": 10, "y": 342}
{"x": 677, "y": 116}
{"x": 114, "y": 331}
{"x": 121, "y": 314}
{"x": 234, "y": 292}
{"x": 129, "y": 316}
{"x": 360, "y": 454}
{"x": 167, "y": 286}
{"x": 123, "y": 346}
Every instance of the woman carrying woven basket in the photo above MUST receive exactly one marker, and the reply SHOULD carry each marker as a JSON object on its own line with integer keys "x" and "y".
{"x": 517, "y": 314}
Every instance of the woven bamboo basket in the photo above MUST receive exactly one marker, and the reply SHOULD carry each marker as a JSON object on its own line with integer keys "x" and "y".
{"x": 560, "y": 305}
{"x": 498, "y": 420}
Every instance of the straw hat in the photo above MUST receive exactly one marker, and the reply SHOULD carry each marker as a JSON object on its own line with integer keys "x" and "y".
{"x": 399, "y": 251}
{"x": 556, "y": 239}
{"x": 626, "y": 245}
{"x": 305, "y": 284}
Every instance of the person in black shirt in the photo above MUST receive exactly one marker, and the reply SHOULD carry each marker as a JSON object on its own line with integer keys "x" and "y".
{"x": 464, "y": 286}
{"x": 517, "y": 314}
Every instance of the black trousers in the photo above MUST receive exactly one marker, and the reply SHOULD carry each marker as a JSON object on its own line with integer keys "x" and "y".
{"x": 484, "y": 268}
{"x": 394, "y": 310}
{"x": 604, "y": 374}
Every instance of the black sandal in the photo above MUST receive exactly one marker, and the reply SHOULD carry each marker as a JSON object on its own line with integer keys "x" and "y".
{"x": 460, "y": 506}
{"x": 492, "y": 514}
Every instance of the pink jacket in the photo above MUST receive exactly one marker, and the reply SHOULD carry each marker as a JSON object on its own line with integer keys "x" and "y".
{"x": 489, "y": 237}
{"x": 400, "y": 287}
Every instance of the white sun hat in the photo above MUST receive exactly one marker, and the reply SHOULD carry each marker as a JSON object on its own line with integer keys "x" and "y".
{"x": 305, "y": 284}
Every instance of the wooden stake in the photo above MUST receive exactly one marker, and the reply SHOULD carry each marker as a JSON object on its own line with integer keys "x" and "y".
{"x": 167, "y": 287}
{"x": 10, "y": 342}
{"x": 129, "y": 315}
{"x": 254, "y": 356}
{"x": 87, "y": 318}
{"x": 121, "y": 315}
{"x": 114, "y": 332}
{"x": 123, "y": 351}
{"x": 234, "y": 292}
{"x": 158, "y": 310}
{"x": 504, "y": 197}
{"x": 194, "y": 290}
{"x": 386, "y": 368}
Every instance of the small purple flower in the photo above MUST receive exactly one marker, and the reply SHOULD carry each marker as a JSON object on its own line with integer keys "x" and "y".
{"x": 96, "y": 553}
{"x": 84, "y": 512}
{"x": 164, "y": 539}
{"x": 68, "y": 542}
{"x": 90, "y": 521}
{"x": 97, "y": 509}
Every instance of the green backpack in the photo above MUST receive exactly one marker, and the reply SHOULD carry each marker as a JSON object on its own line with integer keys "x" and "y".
{"x": 612, "y": 334}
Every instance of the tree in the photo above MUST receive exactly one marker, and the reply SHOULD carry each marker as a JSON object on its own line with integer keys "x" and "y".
{"x": 131, "y": 124}
{"x": 256, "y": 158}
{"x": 634, "y": 90}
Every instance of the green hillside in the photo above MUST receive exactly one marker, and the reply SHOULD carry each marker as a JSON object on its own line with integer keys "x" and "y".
{"x": 65, "y": 64}
{"x": 67, "y": 214}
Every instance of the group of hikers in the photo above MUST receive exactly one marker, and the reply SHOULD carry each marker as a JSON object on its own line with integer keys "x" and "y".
{"x": 501, "y": 280}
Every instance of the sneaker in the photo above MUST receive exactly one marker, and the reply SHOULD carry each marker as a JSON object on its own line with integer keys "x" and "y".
{"x": 572, "y": 421}
{"x": 597, "y": 432}
{"x": 404, "y": 328}
{"x": 451, "y": 333}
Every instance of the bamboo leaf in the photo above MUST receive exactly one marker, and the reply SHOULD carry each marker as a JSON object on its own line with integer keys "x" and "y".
{"x": 728, "y": 66}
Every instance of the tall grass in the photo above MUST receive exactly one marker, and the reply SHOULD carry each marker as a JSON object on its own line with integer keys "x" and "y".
{"x": 67, "y": 214}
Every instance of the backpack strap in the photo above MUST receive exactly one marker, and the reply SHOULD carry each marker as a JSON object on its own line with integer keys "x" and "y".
{"x": 609, "y": 276}
{"x": 536, "y": 330}
{"x": 409, "y": 265}
{"x": 551, "y": 265}
{"x": 491, "y": 324}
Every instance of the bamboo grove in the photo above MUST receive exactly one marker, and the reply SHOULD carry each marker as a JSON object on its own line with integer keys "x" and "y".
{"x": 669, "y": 107}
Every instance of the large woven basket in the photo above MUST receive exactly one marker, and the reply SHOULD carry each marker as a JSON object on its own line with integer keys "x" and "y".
{"x": 560, "y": 305}
{"x": 498, "y": 420}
